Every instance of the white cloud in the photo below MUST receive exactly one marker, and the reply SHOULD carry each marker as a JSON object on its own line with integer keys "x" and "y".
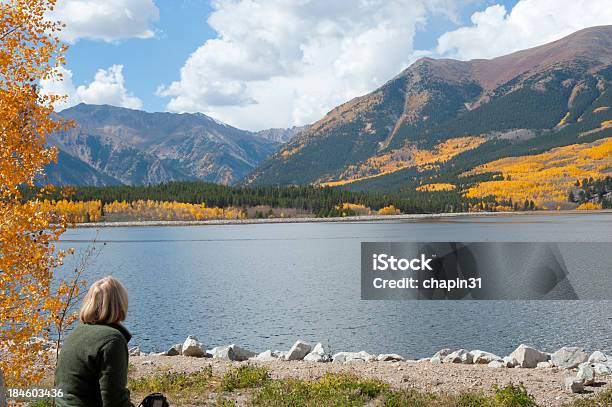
{"x": 279, "y": 63}
{"x": 106, "y": 20}
{"x": 530, "y": 23}
{"x": 108, "y": 87}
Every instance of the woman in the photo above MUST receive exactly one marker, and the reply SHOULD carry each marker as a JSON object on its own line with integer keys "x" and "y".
{"x": 93, "y": 362}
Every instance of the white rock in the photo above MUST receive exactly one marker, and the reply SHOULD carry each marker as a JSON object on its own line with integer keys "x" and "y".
{"x": 598, "y": 357}
{"x": 280, "y": 354}
{"x": 298, "y": 350}
{"x": 543, "y": 365}
{"x": 135, "y": 351}
{"x": 569, "y": 357}
{"x": 266, "y": 356}
{"x": 496, "y": 364}
{"x": 424, "y": 360}
{"x": 459, "y": 356}
{"x": 157, "y": 354}
{"x": 318, "y": 354}
{"x": 439, "y": 356}
{"x": 346, "y": 357}
{"x": 528, "y": 357}
{"x": 574, "y": 385}
{"x": 390, "y": 357}
{"x": 480, "y": 357}
{"x": 509, "y": 361}
{"x": 218, "y": 352}
{"x": 602, "y": 369}
{"x": 586, "y": 374}
{"x": 175, "y": 350}
{"x": 191, "y": 347}
{"x": 232, "y": 352}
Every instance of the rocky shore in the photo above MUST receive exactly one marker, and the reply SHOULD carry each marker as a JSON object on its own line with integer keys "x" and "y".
{"x": 553, "y": 377}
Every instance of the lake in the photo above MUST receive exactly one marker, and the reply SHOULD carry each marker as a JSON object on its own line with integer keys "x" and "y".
{"x": 262, "y": 286}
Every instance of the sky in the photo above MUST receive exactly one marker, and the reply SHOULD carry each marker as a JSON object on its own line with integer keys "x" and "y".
{"x": 258, "y": 64}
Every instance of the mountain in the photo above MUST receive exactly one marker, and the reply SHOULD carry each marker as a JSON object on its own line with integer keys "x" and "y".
{"x": 281, "y": 135}
{"x": 440, "y": 118}
{"x": 71, "y": 171}
{"x": 135, "y": 147}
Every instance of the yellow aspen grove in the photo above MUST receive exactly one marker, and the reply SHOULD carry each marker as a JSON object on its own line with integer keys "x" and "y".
{"x": 29, "y": 51}
{"x": 389, "y": 210}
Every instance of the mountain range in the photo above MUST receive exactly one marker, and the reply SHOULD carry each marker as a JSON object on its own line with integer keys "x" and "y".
{"x": 113, "y": 145}
{"x": 440, "y": 118}
{"x": 437, "y": 121}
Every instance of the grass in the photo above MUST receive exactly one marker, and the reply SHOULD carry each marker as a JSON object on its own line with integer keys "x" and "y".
{"x": 245, "y": 376}
{"x": 41, "y": 403}
{"x": 603, "y": 399}
{"x": 251, "y": 385}
{"x": 513, "y": 396}
{"x": 509, "y": 396}
{"x": 330, "y": 390}
{"x": 178, "y": 387}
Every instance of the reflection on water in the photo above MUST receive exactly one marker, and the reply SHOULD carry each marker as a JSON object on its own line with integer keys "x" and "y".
{"x": 264, "y": 285}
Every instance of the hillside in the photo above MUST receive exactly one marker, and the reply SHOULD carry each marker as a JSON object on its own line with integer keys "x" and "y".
{"x": 135, "y": 147}
{"x": 519, "y": 104}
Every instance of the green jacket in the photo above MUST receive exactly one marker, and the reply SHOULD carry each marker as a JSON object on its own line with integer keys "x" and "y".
{"x": 92, "y": 367}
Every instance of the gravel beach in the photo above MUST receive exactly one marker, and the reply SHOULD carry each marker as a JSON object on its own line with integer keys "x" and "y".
{"x": 547, "y": 385}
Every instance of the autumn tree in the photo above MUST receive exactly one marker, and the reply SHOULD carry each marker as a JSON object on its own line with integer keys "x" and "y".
{"x": 30, "y": 51}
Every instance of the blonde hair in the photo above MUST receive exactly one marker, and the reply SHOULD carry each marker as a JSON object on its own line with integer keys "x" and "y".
{"x": 106, "y": 302}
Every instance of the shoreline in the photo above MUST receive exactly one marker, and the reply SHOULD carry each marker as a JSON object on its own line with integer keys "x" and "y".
{"x": 347, "y": 219}
{"x": 556, "y": 378}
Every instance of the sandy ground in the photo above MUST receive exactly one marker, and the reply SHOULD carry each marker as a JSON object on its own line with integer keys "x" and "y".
{"x": 545, "y": 384}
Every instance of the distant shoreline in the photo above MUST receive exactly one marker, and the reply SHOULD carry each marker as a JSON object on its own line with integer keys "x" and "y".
{"x": 349, "y": 219}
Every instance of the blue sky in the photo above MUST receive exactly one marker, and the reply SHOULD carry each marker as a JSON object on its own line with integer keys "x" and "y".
{"x": 268, "y": 63}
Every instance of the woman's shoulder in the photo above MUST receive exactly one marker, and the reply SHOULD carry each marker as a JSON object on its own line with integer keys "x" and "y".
{"x": 103, "y": 332}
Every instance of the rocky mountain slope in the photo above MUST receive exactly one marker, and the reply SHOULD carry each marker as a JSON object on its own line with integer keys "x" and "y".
{"x": 281, "y": 135}
{"x": 440, "y": 117}
{"x": 117, "y": 145}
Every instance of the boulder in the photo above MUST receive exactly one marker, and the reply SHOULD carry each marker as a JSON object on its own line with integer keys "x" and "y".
{"x": 390, "y": 357}
{"x": 346, "y": 357}
{"x": 569, "y": 357}
{"x": 280, "y": 354}
{"x": 509, "y": 361}
{"x": 459, "y": 356}
{"x": 598, "y": 357}
{"x": 175, "y": 350}
{"x": 480, "y": 357}
{"x": 586, "y": 374}
{"x": 574, "y": 385}
{"x": 298, "y": 350}
{"x": 496, "y": 364}
{"x": 232, "y": 352}
{"x": 439, "y": 356}
{"x": 528, "y": 357}
{"x": 318, "y": 354}
{"x": 191, "y": 347}
{"x": 266, "y": 356}
{"x": 134, "y": 351}
{"x": 543, "y": 365}
{"x": 602, "y": 369}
